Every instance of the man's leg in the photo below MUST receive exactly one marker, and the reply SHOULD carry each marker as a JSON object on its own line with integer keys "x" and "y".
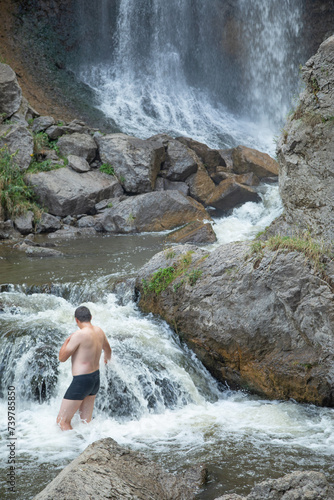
{"x": 86, "y": 408}
{"x": 67, "y": 410}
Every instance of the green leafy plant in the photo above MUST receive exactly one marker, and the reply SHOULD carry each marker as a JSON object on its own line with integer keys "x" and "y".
{"x": 16, "y": 197}
{"x": 107, "y": 169}
{"x": 43, "y": 166}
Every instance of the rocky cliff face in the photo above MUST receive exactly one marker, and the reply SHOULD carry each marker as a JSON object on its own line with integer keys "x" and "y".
{"x": 306, "y": 149}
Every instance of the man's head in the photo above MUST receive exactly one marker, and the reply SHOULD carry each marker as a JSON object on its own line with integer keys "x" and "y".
{"x": 83, "y": 314}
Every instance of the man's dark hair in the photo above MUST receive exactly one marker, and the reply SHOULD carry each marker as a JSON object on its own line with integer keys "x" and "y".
{"x": 83, "y": 314}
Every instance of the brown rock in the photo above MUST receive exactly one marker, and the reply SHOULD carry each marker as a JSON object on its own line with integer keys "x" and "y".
{"x": 250, "y": 160}
{"x": 201, "y": 186}
{"x": 211, "y": 158}
{"x": 195, "y": 232}
{"x": 230, "y": 194}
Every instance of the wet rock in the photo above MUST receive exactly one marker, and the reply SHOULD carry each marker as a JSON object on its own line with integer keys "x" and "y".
{"x": 107, "y": 470}
{"x": 229, "y": 194}
{"x": 78, "y": 164}
{"x": 19, "y": 142}
{"x": 79, "y": 145}
{"x": 195, "y": 232}
{"x": 24, "y": 223}
{"x": 201, "y": 186}
{"x": 298, "y": 485}
{"x": 261, "y": 322}
{"x": 48, "y": 223}
{"x": 247, "y": 160}
{"x": 38, "y": 251}
{"x": 70, "y": 232}
{"x": 306, "y": 148}
{"x": 66, "y": 192}
{"x": 44, "y": 366}
{"x": 156, "y": 211}
{"x": 42, "y": 123}
{"x": 136, "y": 162}
{"x": 10, "y": 92}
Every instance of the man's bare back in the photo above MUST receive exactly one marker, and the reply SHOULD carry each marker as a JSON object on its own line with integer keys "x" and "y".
{"x": 84, "y": 346}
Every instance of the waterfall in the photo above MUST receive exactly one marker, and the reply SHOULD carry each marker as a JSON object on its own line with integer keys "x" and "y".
{"x": 221, "y": 72}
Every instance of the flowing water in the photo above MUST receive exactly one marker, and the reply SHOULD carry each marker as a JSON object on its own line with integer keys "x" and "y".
{"x": 155, "y": 396}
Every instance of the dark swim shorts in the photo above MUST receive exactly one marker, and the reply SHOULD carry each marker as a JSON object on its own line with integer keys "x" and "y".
{"x": 83, "y": 386}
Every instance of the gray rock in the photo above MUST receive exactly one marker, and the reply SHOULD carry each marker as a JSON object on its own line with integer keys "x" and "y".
{"x": 298, "y": 485}
{"x": 180, "y": 162}
{"x": 166, "y": 185}
{"x": 48, "y": 223}
{"x": 10, "y": 92}
{"x": 106, "y": 470}
{"x": 156, "y": 211}
{"x": 70, "y": 232}
{"x": 54, "y": 132}
{"x": 19, "y": 142}
{"x": 136, "y": 162}
{"x": 42, "y": 123}
{"x": 261, "y": 322}
{"x": 79, "y": 145}
{"x": 24, "y": 223}
{"x": 39, "y": 252}
{"x": 78, "y": 164}
{"x": 24, "y": 113}
{"x": 211, "y": 158}
{"x": 66, "y": 192}
{"x": 306, "y": 149}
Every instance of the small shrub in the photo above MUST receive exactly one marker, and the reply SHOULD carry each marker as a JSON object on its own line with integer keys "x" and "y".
{"x": 16, "y": 197}
{"x": 107, "y": 169}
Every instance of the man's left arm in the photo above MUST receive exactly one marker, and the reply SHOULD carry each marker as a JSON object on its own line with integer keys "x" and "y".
{"x": 106, "y": 350}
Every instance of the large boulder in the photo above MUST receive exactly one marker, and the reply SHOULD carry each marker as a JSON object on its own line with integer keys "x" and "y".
{"x": 180, "y": 162}
{"x": 156, "y": 211}
{"x": 107, "y": 470}
{"x": 196, "y": 232}
{"x": 66, "y": 192}
{"x": 229, "y": 194}
{"x": 10, "y": 92}
{"x": 136, "y": 162}
{"x": 309, "y": 485}
{"x": 260, "y": 322}
{"x": 250, "y": 160}
{"x": 306, "y": 149}
{"x": 19, "y": 142}
{"x": 79, "y": 145}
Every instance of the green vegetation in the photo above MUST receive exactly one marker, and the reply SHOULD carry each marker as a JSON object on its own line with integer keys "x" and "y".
{"x": 42, "y": 142}
{"x": 43, "y": 166}
{"x": 107, "y": 169}
{"x": 165, "y": 276}
{"x": 314, "y": 250}
{"x": 16, "y": 197}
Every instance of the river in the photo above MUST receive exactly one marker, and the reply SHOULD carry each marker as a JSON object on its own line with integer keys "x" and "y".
{"x": 156, "y": 397}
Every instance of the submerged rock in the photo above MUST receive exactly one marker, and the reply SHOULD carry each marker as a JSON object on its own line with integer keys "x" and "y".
{"x": 298, "y": 485}
{"x": 107, "y": 470}
{"x": 262, "y": 322}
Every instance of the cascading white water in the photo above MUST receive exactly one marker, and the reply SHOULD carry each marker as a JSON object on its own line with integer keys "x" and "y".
{"x": 155, "y": 397}
{"x": 220, "y": 72}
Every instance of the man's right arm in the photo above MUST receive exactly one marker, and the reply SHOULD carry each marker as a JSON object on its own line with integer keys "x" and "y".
{"x": 70, "y": 345}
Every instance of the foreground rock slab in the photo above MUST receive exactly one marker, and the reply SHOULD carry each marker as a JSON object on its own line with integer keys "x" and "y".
{"x": 261, "y": 322}
{"x": 295, "y": 486}
{"x": 106, "y": 470}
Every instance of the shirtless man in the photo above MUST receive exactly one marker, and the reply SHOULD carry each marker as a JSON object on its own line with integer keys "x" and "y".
{"x": 85, "y": 347}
